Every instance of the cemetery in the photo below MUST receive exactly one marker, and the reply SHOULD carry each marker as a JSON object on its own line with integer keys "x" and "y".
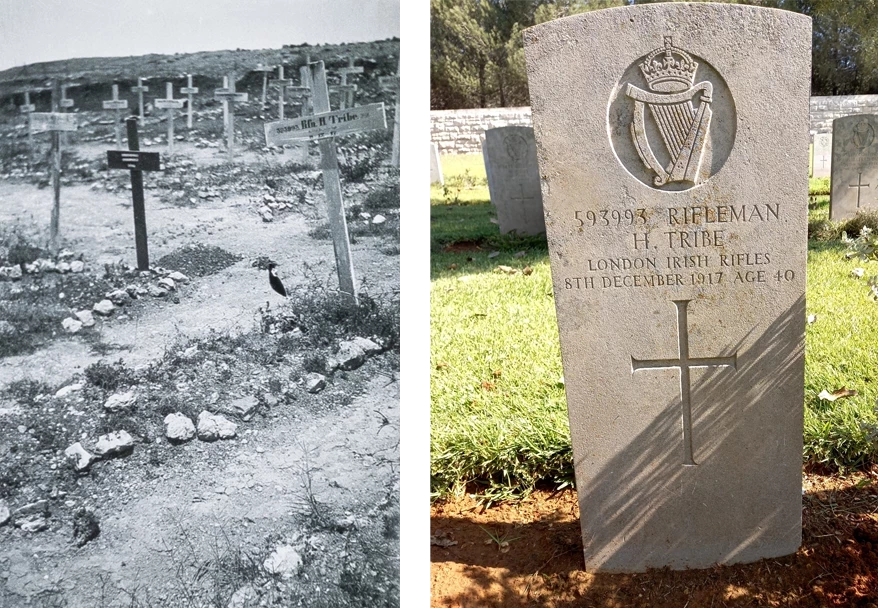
{"x": 174, "y": 431}
{"x": 668, "y": 397}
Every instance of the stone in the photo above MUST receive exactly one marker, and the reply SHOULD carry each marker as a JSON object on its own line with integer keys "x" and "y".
{"x": 822, "y": 159}
{"x": 86, "y": 318}
{"x": 178, "y": 277}
{"x": 379, "y": 219}
{"x": 350, "y": 356}
{"x": 63, "y": 267}
{"x": 314, "y": 382}
{"x": 685, "y": 385}
{"x": 242, "y": 407}
{"x": 157, "y": 292}
{"x": 215, "y": 426}
{"x": 368, "y": 346}
{"x": 179, "y": 428}
{"x": 514, "y": 179}
{"x": 33, "y": 517}
{"x": 71, "y": 326}
{"x": 435, "y": 166}
{"x": 7, "y": 329}
{"x": 854, "y": 182}
{"x": 77, "y": 266}
{"x": 244, "y": 597}
{"x": 10, "y": 273}
{"x": 120, "y": 401}
{"x": 67, "y": 390}
{"x": 5, "y": 514}
{"x": 78, "y": 457}
{"x": 118, "y": 443}
{"x": 119, "y": 297}
{"x": 104, "y": 308}
{"x": 284, "y": 562}
{"x": 86, "y": 527}
{"x": 167, "y": 283}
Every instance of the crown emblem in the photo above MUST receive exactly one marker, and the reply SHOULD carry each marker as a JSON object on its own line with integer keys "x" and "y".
{"x": 672, "y": 73}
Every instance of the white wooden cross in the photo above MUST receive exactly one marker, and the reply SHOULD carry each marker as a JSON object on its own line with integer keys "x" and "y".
{"x": 140, "y": 89}
{"x": 27, "y": 109}
{"x": 116, "y": 104}
{"x": 324, "y": 125}
{"x": 64, "y": 104}
{"x": 190, "y": 91}
{"x": 307, "y": 88}
{"x": 54, "y": 122}
{"x": 348, "y": 97}
{"x": 281, "y": 83}
{"x": 391, "y": 84}
{"x": 265, "y": 70}
{"x": 229, "y": 95}
{"x": 170, "y": 104}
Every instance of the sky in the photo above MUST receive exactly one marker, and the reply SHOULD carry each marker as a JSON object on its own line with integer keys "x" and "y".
{"x": 32, "y": 31}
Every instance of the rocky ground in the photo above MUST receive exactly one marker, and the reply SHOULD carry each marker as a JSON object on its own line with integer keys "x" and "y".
{"x": 184, "y": 436}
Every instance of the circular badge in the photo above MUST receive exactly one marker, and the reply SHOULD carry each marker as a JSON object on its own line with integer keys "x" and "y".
{"x": 672, "y": 119}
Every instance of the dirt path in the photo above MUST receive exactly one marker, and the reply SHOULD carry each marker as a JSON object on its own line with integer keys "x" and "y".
{"x": 246, "y": 490}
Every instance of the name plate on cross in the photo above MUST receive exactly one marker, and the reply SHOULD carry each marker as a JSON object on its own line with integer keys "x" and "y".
{"x": 229, "y": 95}
{"x": 328, "y": 124}
{"x": 132, "y": 160}
{"x": 42, "y": 122}
{"x": 27, "y": 108}
{"x": 116, "y": 104}
{"x": 169, "y": 104}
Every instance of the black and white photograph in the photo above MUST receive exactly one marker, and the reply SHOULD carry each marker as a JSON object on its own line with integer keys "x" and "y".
{"x": 199, "y": 303}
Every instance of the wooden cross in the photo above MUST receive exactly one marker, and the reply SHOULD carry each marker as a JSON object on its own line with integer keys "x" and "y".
{"x": 190, "y": 91}
{"x": 281, "y": 83}
{"x": 324, "y": 125}
{"x": 391, "y": 84}
{"x": 65, "y": 101}
{"x": 27, "y": 109}
{"x": 684, "y": 363}
{"x": 306, "y": 85}
{"x": 859, "y": 186}
{"x": 54, "y": 122}
{"x": 137, "y": 162}
{"x": 265, "y": 70}
{"x": 170, "y": 104}
{"x": 140, "y": 89}
{"x": 348, "y": 97}
{"x": 116, "y": 104}
{"x": 229, "y": 95}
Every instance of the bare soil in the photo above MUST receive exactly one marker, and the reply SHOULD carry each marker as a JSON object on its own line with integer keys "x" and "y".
{"x": 541, "y": 562}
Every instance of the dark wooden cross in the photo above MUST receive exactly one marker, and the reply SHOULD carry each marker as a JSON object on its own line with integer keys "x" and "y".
{"x": 136, "y": 162}
{"x": 684, "y": 363}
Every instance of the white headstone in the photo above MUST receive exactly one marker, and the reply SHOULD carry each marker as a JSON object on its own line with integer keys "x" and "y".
{"x": 435, "y": 166}
{"x": 511, "y": 161}
{"x": 673, "y": 155}
{"x": 822, "y": 161}
{"x": 854, "y": 183}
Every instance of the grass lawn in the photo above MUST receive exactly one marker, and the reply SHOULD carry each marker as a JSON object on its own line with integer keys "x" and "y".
{"x": 499, "y": 417}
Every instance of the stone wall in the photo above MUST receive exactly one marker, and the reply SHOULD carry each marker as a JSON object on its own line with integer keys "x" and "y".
{"x": 460, "y": 131}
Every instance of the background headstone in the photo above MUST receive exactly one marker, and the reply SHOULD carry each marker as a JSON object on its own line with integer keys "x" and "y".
{"x": 511, "y": 161}
{"x": 678, "y": 263}
{"x": 854, "y": 183}
{"x": 822, "y": 155}
{"x": 435, "y": 166}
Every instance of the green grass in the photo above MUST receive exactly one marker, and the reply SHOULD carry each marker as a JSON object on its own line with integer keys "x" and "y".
{"x": 499, "y": 418}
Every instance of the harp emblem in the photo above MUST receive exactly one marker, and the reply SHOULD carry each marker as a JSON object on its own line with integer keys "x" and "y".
{"x": 680, "y": 111}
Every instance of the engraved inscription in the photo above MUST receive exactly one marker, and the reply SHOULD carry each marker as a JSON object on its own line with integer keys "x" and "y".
{"x": 684, "y": 363}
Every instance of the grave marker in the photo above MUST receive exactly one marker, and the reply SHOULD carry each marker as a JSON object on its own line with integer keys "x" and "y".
{"x": 136, "y": 162}
{"x": 54, "y": 122}
{"x": 672, "y": 142}
{"x": 265, "y": 70}
{"x": 514, "y": 184}
{"x": 391, "y": 84}
{"x": 854, "y": 183}
{"x": 27, "y": 109}
{"x": 140, "y": 89}
{"x": 348, "y": 96}
{"x": 307, "y": 87}
{"x": 65, "y": 102}
{"x": 116, "y": 104}
{"x": 435, "y": 166}
{"x": 170, "y": 104}
{"x": 281, "y": 83}
{"x": 230, "y": 96}
{"x": 190, "y": 91}
{"x": 323, "y": 126}
{"x": 822, "y": 155}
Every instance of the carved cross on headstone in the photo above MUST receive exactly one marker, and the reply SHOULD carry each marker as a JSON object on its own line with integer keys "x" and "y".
{"x": 684, "y": 363}
{"x": 190, "y": 91}
{"x": 170, "y": 104}
{"x": 116, "y": 104}
{"x": 140, "y": 89}
{"x": 859, "y": 186}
